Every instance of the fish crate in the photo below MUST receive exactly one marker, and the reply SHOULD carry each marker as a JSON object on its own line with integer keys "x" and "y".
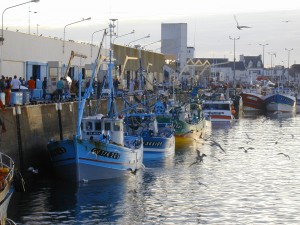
{"x": 37, "y": 93}
{"x": 16, "y": 98}
{"x": 26, "y": 98}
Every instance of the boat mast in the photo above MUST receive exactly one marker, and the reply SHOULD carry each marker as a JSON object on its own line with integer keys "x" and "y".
{"x": 89, "y": 90}
{"x": 111, "y": 106}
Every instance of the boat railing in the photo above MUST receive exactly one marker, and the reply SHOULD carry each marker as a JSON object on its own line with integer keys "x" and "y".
{"x": 7, "y": 165}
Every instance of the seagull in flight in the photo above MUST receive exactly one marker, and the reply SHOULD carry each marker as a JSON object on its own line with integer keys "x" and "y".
{"x": 284, "y": 155}
{"x": 214, "y": 143}
{"x": 246, "y": 149}
{"x": 286, "y": 21}
{"x": 238, "y": 26}
{"x": 199, "y": 157}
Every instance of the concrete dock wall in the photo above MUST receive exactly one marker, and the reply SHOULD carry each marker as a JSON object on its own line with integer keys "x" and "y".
{"x": 27, "y": 133}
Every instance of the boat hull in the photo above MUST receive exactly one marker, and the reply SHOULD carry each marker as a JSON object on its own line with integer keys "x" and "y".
{"x": 158, "y": 147}
{"x": 4, "y": 205}
{"x": 280, "y": 102}
{"x": 6, "y": 190}
{"x": 185, "y": 133}
{"x": 80, "y": 160}
{"x": 298, "y": 105}
{"x": 253, "y": 102}
{"x": 218, "y": 111}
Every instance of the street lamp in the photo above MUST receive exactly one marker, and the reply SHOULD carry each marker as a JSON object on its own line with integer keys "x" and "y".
{"x": 93, "y": 39}
{"x": 234, "y": 39}
{"x": 289, "y": 50}
{"x": 272, "y": 54}
{"x": 29, "y": 19}
{"x": 263, "y": 45}
{"x": 132, "y": 32}
{"x": 139, "y": 39}
{"x": 151, "y": 44}
{"x": 83, "y": 19}
{"x": 2, "y": 38}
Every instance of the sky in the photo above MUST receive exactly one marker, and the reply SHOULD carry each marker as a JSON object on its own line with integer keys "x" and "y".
{"x": 210, "y": 24}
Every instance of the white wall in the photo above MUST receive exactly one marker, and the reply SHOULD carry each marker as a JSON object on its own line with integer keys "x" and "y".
{"x": 20, "y": 47}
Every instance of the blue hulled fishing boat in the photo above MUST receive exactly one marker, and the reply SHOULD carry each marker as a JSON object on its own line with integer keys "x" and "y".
{"x": 99, "y": 149}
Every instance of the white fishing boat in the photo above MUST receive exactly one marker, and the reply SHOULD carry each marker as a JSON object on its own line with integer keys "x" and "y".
{"x": 281, "y": 99}
{"x": 218, "y": 110}
{"x": 99, "y": 149}
{"x": 159, "y": 142}
{"x": 6, "y": 188}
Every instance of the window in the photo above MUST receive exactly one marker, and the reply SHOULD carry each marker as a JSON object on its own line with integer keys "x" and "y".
{"x": 117, "y": 127}
{"x": 98, "y": 125}
{"x": 107, "y": 126}
{"x": 89, "y": 126}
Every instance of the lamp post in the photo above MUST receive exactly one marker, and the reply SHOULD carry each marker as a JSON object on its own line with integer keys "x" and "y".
{"x": 289, "y": 50}
{"x": 132, "y": 32}
{"x": 37, "y": 29}
{"x": 83, "y": 19}
{"x": 234, "y": 39}
{"x": 139, "y": 39}
{"x": 2, "y": 37}
{"x": 272, "y": 54}
{"x": 29, "y": 11}
{"x": 92, "y": 41}
{"x": 263, "y": 45}
{"x": 151, "y": 44}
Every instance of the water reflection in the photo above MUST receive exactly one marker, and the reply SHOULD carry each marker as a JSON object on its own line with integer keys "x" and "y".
{"x": 259, "y": 186}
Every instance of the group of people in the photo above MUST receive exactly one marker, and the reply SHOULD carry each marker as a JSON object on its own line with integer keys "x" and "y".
{"x": 15, "y": 84}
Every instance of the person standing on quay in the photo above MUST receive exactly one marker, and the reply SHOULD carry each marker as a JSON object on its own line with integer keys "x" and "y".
{"x": 7, "y": 90}
{"x": 15, "y": 84}
{"x": 44, "y": 86}
{"x": 31, "y": 87}
{"x": 59, "y": 88}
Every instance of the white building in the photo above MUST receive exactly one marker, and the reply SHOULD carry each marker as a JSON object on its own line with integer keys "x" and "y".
{"x": 174, "y": 42}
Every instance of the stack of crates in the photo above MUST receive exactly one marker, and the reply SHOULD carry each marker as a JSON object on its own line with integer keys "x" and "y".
{"x": 16, "y": 98}
{"x": 26, "y": 96}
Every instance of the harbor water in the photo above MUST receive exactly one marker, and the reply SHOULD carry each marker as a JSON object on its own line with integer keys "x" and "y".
{"x": 234, "y": 186}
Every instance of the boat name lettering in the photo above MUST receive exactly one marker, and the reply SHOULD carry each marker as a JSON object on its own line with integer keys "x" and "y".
{"x": 94, "y": 133}
{"x": 101, "y": 152}
{"x": 153, "y": 143}
{"x": 177, "y": 126}
{"x": 58, "y": 151}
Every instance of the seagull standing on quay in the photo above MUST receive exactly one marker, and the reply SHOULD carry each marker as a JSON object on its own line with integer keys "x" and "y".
{"x": 238, "y": 26}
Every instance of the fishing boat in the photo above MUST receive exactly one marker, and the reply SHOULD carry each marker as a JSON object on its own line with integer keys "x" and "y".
{"x": 253, "y": 101}
{"x": 218, "y": 110}
{"x": 281, "y": 99}
{"x": 187, "y": 119}
{"x": 6, "y": 188}
{"x": 99, "y": 149}
{"x": 159, "y": 142}
{"x": 218, "y": 107}
{"x": 297, "y": 105}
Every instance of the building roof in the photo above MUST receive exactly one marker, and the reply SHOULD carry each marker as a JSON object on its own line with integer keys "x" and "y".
{"x": 295, "y": 68}
{"x": 252, "y": 61}
{"x": 211, "y": 60}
